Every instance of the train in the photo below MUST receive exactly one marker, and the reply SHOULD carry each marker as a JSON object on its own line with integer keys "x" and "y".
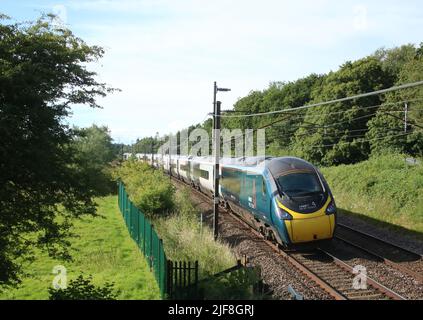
{"x": 287, "y": 199}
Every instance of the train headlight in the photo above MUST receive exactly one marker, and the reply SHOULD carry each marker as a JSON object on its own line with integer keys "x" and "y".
{"x": 284, "y": 215}
{"x": 331, "y": 209}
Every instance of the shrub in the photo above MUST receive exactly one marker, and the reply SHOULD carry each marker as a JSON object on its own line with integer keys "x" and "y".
{"x": 149, "y": 189}
{"x": 236, "y": 285}
{"x": 185, "y": 239}
{"x": 82, "y": 289}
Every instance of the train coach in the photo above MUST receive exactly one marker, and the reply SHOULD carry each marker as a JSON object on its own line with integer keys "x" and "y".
{"x": 286, "y": 198}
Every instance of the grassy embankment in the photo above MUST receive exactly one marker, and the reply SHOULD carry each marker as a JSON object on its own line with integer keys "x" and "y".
{"x": 176, "y": 220}
{"x": 185, "y": 240}
{"x": 174, "y": 217}
{"x": 103, "y": 249}
{"x": 383, "y": 189}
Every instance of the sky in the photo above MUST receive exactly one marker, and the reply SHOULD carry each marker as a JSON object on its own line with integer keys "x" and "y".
{"x": 165, "y": 54}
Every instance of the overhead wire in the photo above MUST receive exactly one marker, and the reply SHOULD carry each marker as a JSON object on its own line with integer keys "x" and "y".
{"x": 363, "y": 95}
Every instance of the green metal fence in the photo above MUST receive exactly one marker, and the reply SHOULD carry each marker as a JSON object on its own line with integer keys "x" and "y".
{"x": 147, "y": 239}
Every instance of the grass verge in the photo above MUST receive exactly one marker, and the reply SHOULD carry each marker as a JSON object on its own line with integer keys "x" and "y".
{"x": 384, "y": 188}
{"x": 103, "y": 249}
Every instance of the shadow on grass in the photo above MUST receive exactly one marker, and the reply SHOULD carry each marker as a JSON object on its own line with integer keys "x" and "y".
{"x": 384, "y": 225}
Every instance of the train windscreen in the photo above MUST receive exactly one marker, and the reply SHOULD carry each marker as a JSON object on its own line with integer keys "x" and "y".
{"x": 300, "y": 184}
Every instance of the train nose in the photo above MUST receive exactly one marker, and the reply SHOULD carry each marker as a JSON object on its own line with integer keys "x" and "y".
{"x": 312, "y": 229}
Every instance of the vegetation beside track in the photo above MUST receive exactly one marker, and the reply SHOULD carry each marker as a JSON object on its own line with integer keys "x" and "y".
{"x": 174, "y": 217}
{"x": 178, "y": 223}
{"x": 102, "y": 249}
{"x": 384, "y": 188}
{"x": 186, "y": 239}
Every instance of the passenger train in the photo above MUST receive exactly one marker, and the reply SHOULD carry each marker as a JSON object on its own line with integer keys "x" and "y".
{"x": 286, "y": 198}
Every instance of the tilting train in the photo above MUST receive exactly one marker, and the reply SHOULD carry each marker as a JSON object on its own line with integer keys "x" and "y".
{"x": 286, "y": 198}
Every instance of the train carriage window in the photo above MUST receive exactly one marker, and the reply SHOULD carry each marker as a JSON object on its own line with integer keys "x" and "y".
{"x": 200, "y": 173}
{"x": 185, "y": 167}
{"x": 204, "y": 174}
{"x": 231, "y": 181}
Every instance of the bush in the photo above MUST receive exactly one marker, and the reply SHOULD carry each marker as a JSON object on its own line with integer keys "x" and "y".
{"x": 149, "y": 189}
{"x": 82, "y": 289}
{"x": 185, "y": 239}
{"x": 237, "y": 285}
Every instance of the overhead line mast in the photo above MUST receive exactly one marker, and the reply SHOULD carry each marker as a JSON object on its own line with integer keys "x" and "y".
{"x": 216, "y": 138}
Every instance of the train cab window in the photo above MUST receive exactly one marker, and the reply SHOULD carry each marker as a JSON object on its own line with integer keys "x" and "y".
{"x": 300, "y": 184}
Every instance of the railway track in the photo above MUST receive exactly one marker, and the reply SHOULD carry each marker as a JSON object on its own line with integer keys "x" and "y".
{"x": 330, "y": 273}
{"x": 401, "y": 259}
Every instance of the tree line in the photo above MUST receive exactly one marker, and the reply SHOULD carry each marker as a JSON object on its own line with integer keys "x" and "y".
{"x": 339, "y": 133}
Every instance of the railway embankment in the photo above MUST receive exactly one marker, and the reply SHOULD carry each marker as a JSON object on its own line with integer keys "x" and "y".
{"x": 382, "y": 196}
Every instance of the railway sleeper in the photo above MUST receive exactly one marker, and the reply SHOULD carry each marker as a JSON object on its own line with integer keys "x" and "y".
{"x": 367, "y": 297}
{"x": 349, "y": 290}
{"x": 339, "y": 282}
{"x": 334, "y": 275}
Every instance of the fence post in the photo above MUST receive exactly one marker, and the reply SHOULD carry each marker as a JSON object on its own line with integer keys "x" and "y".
{"x": 196, "y": 274}
{"x": 160, "y": 262}
{"x": 143, "y": 243}
{"x": 151, "y": 246}
{"x": 189, "y": 273}
{"x": 169, "y": 277}
{"x": 180, "y": 274}
{"x": 185, "y": 268}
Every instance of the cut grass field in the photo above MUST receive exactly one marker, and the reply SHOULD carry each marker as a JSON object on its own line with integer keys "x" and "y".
{"x": 102, "y": 249}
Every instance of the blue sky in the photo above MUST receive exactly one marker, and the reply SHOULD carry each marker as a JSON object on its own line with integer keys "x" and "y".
{"x": 165, "y": 54}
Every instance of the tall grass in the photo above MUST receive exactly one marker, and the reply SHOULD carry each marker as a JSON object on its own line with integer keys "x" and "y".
{"x": 174, "y": 217}
{"x": 185, "y": 239}
{"x": 384, "y": 188}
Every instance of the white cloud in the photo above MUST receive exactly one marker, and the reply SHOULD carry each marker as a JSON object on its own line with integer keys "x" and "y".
{"x": 360, "y": 18}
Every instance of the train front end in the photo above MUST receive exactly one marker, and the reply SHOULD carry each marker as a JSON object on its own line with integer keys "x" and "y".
{"x": 304, "y": 208}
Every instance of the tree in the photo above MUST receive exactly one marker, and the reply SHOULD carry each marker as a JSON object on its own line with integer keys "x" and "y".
{"x": 394, "y": 59}
{"x": 389, "y": 121}
{"x": 95, "y": 151}
{"x": 333, "y": 134}
{"x": 42, "y": 187}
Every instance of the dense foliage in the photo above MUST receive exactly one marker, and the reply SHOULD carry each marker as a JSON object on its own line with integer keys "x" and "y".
{"x": 95, "y": 151}
{"x": 148, "y": 189}
{"x": 43, "y": 186}
{"x": 385, "y": 187}
{"x": 83, "y": 289}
